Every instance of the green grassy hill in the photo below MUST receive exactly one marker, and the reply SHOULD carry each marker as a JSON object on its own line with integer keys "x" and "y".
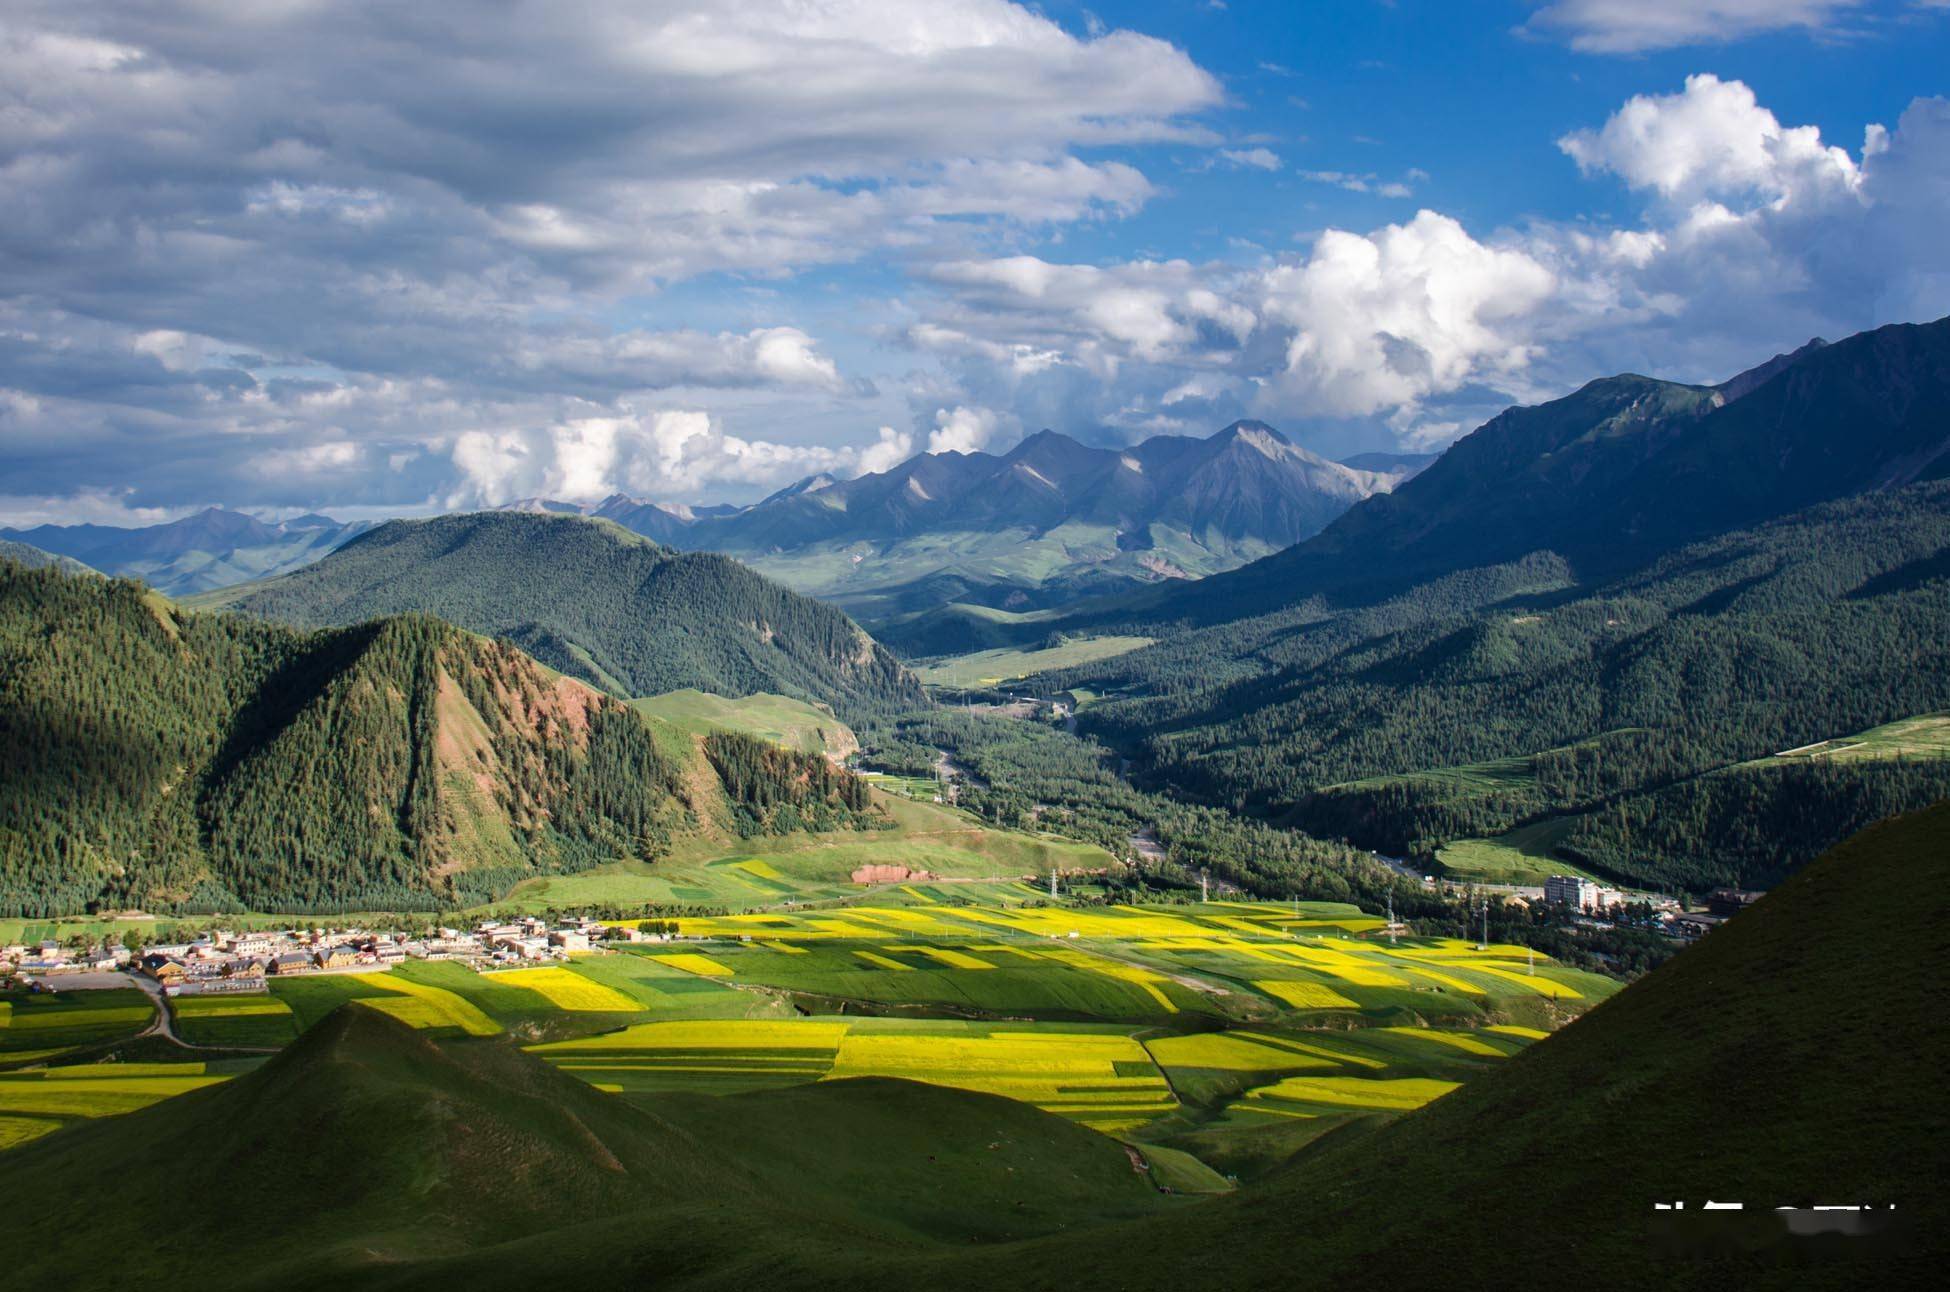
{"x": 367, "y": 1150}
{"x": 597, "y": 602}
{"x": 780, "y": 719}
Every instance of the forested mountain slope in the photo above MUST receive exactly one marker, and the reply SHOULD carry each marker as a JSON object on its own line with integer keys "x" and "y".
{"x": 152, "y": 758}
{"x": 596, "y": 602}
{"x": 1629, "y": 467}
{"x": 1824, "y": 623}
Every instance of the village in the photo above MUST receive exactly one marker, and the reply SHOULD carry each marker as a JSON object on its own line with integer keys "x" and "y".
{"x": 229, "y": 962}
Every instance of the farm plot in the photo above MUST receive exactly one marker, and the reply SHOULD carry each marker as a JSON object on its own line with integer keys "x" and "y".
{"x": 37, "y": 1102}
{"x": 1096, "y": 1075}
{"x": 42, "y": 1023}
{"x": 963, "y": 975}
{"x": 247, "y": 1022}
{"x": 568, "y": 990}
{"x": 711, "y": 1056}
{"x": 430, "y": 1007}
{"x": 1247, "y": 1075}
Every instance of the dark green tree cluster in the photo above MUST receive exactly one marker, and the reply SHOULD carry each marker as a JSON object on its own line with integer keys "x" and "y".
{"x": 772, "y": 790}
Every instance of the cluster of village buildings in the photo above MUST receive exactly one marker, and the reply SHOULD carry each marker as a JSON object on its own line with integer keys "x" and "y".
{"x": 1583, "y": 894}
{"x": 226, "y": 961}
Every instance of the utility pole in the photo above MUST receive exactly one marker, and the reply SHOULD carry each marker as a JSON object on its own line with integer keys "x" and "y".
{"x": 1391, "y": 919}
{"x": 1052, "y": 883}
{"x": 1204, "y": 887}
{"x": 1484, "y": 945}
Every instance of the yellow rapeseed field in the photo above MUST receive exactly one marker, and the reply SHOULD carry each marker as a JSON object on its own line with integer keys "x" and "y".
{"x": 1447, "y": 980}
{"x": 1073, "y": 1074}
{"x": 948, "y": 956}
{"x": 709, "y": 1034}
{"x": 1401, "y": 1093}
{"x": 1230, "y": 1052}
{"x": 1146, "y": 980}
{"x": 426, "y": 1006}
{"x": 18, "y": 1130}
{"x": 1306, "y": 995}
{"x": 691, "y": 962}
{"x": 1456, "y": 1040}
{"x": 567, "y": 990}
{"x": 883, "y": 961}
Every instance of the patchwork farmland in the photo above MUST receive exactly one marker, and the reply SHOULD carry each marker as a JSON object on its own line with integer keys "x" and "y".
{"x": 1195, "y": 1030}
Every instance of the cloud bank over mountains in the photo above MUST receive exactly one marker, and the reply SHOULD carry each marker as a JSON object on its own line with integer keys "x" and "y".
{"x": 359, "y": 255}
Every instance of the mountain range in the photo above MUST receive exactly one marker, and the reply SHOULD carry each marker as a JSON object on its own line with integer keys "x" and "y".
{"x": 597, "y": 602}
{"x": 211, "y": 549}
{"x": 1047, "y": 521}
{"x": 1597, "y": 619}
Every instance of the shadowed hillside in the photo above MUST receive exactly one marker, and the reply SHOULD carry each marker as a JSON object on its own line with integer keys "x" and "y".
{"x": 366, "y": 1151}
{"x": 597, "y": 602}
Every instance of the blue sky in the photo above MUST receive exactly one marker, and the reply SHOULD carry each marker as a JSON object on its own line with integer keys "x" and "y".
{"x": 347, "y": 257}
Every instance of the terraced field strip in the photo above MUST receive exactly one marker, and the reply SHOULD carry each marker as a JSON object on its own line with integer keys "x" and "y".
{"x": 717, "y": 1057}
{"x": 949, "y": 956}
{"x": 567, "y": 990}
{"x": 34, "y": 1103}
{"x": 1456, "y": 1040}
{"x": 1091, "y": 1074}
{"x": 1234, "y": 1052}
{"x": 691, "y": 962}
{"x": 1103, "y": 1079}
{"x": 63, "y": 1020}
{"x": 1317, "y": 1096}
{"x": 1536, "y": 984}
{"x": 250, "y": 1022}
{"x": 1304, "y": 995}
{"x": 430, "y": 1007}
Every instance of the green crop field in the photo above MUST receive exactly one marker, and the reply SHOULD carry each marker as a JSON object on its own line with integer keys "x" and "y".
{"x": 250, "y": 1022}
{"x": 39, "y": 1024}
{"x": 38, "y": 1101}
{"x": 990, "y": 667}
{"x": 817, "y": 867}
{"x": 1924, "y": 736}
{"x": 777, "y": 718}
{"x": 1523, "y": 856}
